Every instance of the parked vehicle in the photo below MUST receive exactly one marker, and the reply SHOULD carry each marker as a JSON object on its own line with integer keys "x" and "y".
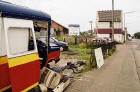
{"x": 108, "y": 39}
{"x": 21, "y": 55}
{"x": 129, "y": 38}
{"x": 104, "y": 39}
{"x": 53, "y": 52}
{"x": 63, "y": 45}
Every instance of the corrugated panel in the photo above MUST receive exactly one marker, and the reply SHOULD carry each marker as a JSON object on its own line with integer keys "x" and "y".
{"x": 106, "y": 16}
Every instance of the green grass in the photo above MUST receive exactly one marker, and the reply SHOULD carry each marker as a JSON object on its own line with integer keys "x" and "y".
{"x": 112, "y": 50}
{"x": 84, "y": 54}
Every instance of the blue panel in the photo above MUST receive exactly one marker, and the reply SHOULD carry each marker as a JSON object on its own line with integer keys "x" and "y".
{"x": 15, "y": 11}
{"x": 74, "y": 25}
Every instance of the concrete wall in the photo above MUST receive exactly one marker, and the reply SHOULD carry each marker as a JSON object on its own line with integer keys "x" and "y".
{"x": 74, "y": 31}
{"x": 117, "y": 37}
{"x": 103, "y": 25}
{"x": 106, "y": 25}
{"x": 103, "y": 35}
{"x": 55, "y": 27}
{"x": 118, "y": 25}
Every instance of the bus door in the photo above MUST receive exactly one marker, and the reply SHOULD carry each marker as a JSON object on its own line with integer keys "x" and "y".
{"x": 23, "y": 59}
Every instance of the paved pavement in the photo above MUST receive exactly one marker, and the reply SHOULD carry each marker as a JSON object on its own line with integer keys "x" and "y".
{"x": 120, "y": 73}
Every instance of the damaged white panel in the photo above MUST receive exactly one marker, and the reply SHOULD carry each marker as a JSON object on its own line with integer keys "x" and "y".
{"x": 99, "y": 57}
{"x": 62, "y": 86}
{"x": 49, "y": 78}
{"x": 59, "y": 88}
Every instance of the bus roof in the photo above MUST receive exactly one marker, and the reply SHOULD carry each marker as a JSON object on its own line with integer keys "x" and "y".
{"x": 14, "y": 11}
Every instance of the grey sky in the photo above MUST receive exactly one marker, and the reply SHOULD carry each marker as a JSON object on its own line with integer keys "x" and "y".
{"x": 82, "y": 11}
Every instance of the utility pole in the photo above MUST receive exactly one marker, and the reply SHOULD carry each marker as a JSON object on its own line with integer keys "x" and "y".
{"x": 91, "y": 27}
{"x": 112, "y": 20}
{"x": 96, "y": 29}
{"x": 125, "y": 34}
{"x": 124, "y": 21}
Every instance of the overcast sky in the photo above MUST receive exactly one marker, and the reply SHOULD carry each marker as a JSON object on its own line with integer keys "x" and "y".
{"x": 82, "y": 11}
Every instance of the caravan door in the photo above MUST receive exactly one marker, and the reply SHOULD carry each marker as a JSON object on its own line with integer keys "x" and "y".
{"x": 23, "y": 59}
{"x": 4, "y": 70}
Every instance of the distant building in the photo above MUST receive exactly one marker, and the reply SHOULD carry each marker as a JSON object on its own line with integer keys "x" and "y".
{"x": 58, "y": 29}
{"x": 74, "y": 29}
{"x": 104, "y": 24}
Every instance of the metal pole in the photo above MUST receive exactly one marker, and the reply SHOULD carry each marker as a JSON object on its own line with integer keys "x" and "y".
{"x": 124, "y": 29}
{"x": 91, "y": 27}
{"x": 112, "y": 20}
{"x": 125, "y": 16}
{"x": 124, "y": 21}
{"x": 125, "y": 26}
{"x": 96, "y": 28}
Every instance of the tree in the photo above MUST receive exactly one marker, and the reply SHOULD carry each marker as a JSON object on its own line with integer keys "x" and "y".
{"x": 137, "y": 35}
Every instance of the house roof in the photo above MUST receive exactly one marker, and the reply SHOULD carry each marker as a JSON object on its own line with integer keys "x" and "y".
{"x": 14, "y": 11}
{"x": 59, "y": 24}
{"x": 109, "y": 31}
{"x": 106, "y": 16}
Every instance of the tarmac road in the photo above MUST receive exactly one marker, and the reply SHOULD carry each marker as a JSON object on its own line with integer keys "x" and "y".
{"x": 120, "y": 73}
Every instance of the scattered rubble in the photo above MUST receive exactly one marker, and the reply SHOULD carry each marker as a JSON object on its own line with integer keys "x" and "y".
{"x": 58, "y": 77}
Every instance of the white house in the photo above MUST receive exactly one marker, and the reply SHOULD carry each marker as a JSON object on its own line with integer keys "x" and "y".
{"x": 104, "y": 24}
{"x": 74, "y": 29}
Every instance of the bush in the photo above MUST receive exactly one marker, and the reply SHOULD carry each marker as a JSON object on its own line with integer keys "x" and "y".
{"x": 137, "y": 35}
{"x": 112, "y": 50}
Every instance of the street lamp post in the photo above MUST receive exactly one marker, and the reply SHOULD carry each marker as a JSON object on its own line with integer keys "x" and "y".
{"x": 112, "y": 20}
{"x": 125, "y": 37}
{"x": 125, "y": 16}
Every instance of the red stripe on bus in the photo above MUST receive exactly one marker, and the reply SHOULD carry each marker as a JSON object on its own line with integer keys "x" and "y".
{"x": 4, "y": 76}
{"x": 25, "y": 75}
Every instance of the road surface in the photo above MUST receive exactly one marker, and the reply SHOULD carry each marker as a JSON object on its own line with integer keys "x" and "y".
{"x": 120, "y": 73}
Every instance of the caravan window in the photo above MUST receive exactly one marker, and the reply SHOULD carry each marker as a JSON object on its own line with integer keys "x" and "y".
{"x": 20, "y": 40}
